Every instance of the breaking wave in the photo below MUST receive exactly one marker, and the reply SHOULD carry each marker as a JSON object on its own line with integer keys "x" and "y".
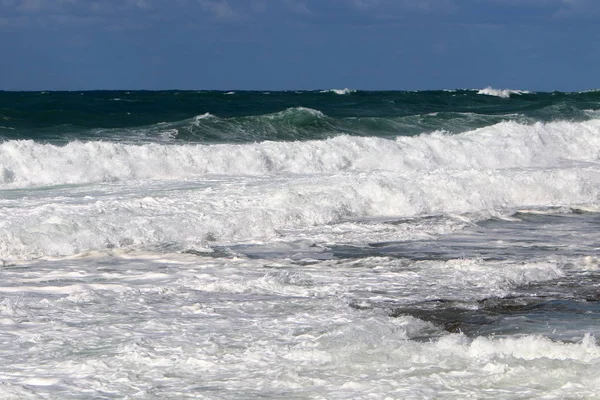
{"x": 25, "y": 163}
{"x": 504, "y": 93}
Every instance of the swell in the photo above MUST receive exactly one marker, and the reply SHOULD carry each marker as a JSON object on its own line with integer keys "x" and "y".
{"x": 295, "y": 124}
{"x": 292, "y": 124}
{"x": 135, "y": 117}
{"x": 300, "y": 124}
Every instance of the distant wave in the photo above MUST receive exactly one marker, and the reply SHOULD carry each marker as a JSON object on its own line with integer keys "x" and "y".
{"x": 504, "y": 93}
{"x": 125, "y": 100}
{"x": 204, "y": 116}
{"x": 339, "y": 91}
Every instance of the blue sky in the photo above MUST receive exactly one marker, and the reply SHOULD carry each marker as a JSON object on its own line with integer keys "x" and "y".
{"x": 299, "y": 44}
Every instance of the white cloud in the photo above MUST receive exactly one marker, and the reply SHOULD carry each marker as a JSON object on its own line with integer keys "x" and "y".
{"x": 101, "y": 8}
{"x": 143, "y": 4}
{"x": 297, "y": 6}
{"x": 364, "y": 4}
{"x": 18, "y": 22}
{"x": 428, "y": 6}
{"x": 28, "y": 6}
{"x": 258, "y": 5}
{"x": 220, "y": 9}
{"x": 48, "y": 14}
{"x": 580, "y": 4}
{"x": 62, "y": 6}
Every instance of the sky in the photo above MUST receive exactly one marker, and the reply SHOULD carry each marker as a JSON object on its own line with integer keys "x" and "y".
{"x": 539, "y": 45}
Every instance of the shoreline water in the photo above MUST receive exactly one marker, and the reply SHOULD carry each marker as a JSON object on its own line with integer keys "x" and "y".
{"x": 301, "y": 245}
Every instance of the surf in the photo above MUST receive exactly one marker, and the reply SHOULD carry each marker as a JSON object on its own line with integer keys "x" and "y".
{"x": 26, "y": 163}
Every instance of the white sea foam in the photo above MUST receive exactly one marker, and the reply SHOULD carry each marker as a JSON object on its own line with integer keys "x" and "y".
{"x": 595, "y": 114}
{"x": 204, "y": 116}
{"x": 296, "y": 111}
{"x": 199, "y": 213}
{"x": 328, "y": 269}
{"x": 504, "y": 145}
{"x": 246, "y": 331}
{"x": 504, "y": 93}
{"x": 125, "y": 100}
{"x": 339, "y": 91}
{"x": 324, "y": 191}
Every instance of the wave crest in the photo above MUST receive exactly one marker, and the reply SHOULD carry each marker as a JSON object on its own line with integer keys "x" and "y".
{"x": 339, "y": 91}
{"x": 26, "y": 163}
{"x": 504, "y": 93}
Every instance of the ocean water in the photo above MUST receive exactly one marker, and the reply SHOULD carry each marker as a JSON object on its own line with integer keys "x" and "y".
{"x": 332, "y": 244}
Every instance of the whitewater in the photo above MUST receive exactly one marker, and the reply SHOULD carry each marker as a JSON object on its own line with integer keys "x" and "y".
{"x": 327, "y": 245}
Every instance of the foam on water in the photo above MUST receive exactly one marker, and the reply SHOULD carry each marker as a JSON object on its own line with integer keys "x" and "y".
{"x": 188, "y": 326}
{"x": 437, "y": 266}
{"x": 504, "y": 93}
{"x": 339, "y": 91}
{"x": 204, "y": 116}
{"x": 203, "y": 212}
{"x": 25, "y": 163}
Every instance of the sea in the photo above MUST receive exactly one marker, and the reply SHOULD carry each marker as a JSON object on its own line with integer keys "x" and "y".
{"x": 329, "y": 244}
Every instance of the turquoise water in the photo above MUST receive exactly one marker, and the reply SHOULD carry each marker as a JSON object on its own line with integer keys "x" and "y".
{"x": 222, "y": 117}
